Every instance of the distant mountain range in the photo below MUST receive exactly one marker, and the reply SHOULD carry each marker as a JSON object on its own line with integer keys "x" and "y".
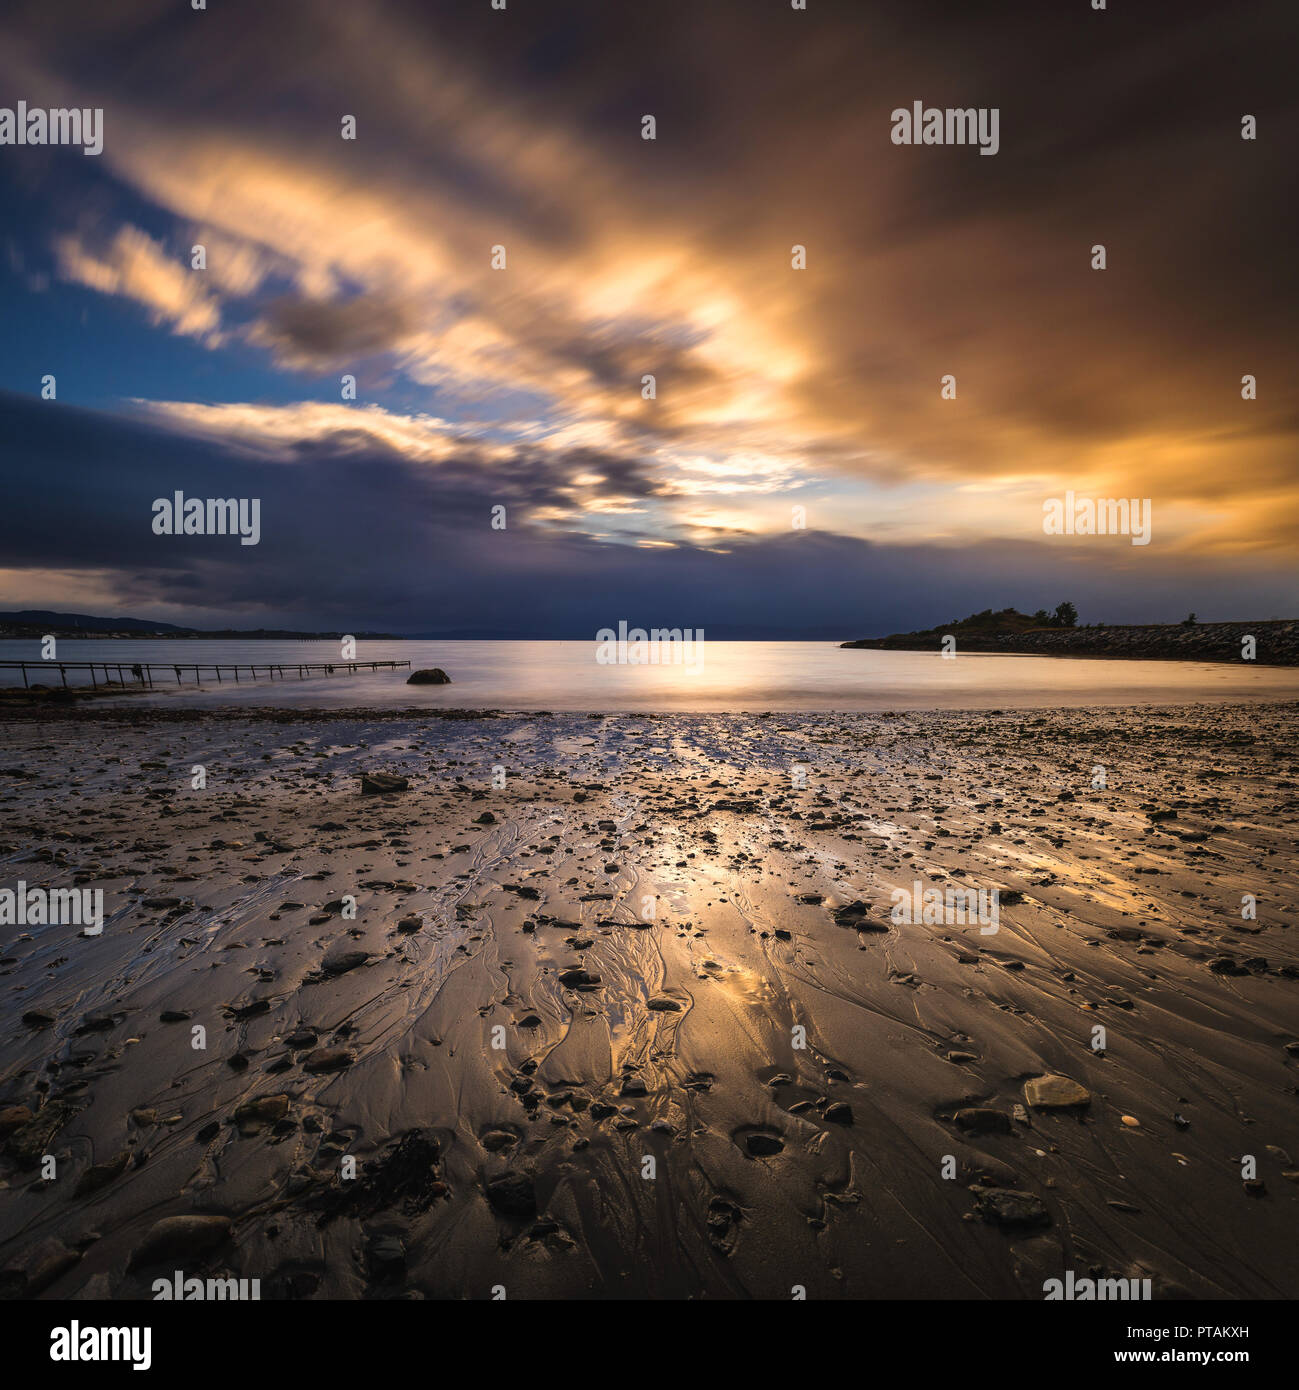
{"x": 37, "y": 622}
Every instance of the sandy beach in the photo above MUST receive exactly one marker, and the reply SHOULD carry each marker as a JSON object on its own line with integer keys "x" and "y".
{"x": 622, "y": 1009}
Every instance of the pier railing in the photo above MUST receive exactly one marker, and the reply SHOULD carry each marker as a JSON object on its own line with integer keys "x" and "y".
{"x": 146, "y": 673}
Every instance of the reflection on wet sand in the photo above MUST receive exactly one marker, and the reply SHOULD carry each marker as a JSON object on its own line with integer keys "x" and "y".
{"x": 639, "y": 1022}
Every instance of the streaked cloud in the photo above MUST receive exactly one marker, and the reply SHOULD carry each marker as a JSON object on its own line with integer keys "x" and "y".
{"x": 135, "y": 266}
{"x": 628, "y": 259}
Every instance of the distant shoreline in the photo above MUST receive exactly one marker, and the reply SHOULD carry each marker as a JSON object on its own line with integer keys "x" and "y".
{"x": 36, "y": 633}
{"x": 1276, "y": 642}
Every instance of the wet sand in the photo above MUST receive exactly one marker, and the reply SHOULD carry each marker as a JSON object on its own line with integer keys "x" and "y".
{"x": 648, "y": 918}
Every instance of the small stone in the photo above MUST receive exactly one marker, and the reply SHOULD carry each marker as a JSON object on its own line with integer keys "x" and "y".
{"x": 329, "y": 1059}
{"x": 386, "y": 1257}
{"x": 857, "y": 915}
{"x": 577, "y": 978}
{"x": 29, "y": 1142}
{"x": 1055, "y": 1093}
{"x": 513, "y": 1195}
{"x": 181, "y": 1237}
{"x": 340, "y": 962}
{"x": 382, "y": 783}
{"x": 38, "y": 1268}
{"x": 763, "y": 1145}
{"x": 1003, "y": 1206}
{"x": 982, "y": 1119}
{"x": 13, "y": 1117}
{"x": 254, "y": 1115}
{"x": 101, "y": 1174}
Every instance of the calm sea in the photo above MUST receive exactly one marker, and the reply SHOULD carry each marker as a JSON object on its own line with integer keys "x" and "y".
{"x": 718, "y": 676}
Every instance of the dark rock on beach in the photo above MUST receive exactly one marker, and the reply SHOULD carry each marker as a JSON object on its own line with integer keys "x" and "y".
{"x": 339, "y": 962}
{"x": 382, "y": 783}
{"x": 1008, "y": 1207}
{"x": 182, "y": 1238}
{"x": 514, "y": 1195}
{"x": 982, "y": 1120}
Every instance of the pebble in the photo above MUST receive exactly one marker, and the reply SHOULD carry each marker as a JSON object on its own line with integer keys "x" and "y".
{"x": 329, "y": 1059}
{"x": 1004, "y": 1206}
{"x": 763, "y": 1145}
{"x": 513, "y": 1195}
{"x": 1055, "y": 1093}
{"x": 180, "y": 1238}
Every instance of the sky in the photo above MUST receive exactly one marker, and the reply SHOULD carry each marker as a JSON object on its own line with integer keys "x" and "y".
{"x": 799, "y": 470}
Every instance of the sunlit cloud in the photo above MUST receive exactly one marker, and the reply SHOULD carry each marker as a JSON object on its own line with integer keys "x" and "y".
{"x": 137, "y": 268}
{"x": 647, "y": 345}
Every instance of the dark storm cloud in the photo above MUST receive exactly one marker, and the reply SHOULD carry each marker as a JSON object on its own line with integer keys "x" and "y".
{"x": 316, "y": 330}
{"x": 671, "y": 258}
{"x": 370, "y": 539}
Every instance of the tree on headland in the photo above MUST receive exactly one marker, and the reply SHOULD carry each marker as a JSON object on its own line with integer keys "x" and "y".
{"x": 1189, "y": 620}
{"x": 1066, "y": 615}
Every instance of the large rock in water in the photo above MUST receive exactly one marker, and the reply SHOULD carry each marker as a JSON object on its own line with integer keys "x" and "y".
{"x": 1055, "y": 1093}
{"x": 431, "y": 675}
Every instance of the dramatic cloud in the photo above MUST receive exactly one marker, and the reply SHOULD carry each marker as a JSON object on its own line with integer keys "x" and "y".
{"x": 373, "y": 522}
{"x": 525, "y": 289}
{"x": 135, "y": 266}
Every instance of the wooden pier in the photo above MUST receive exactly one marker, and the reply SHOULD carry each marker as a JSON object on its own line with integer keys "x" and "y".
{"x": 146, "y": 673}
